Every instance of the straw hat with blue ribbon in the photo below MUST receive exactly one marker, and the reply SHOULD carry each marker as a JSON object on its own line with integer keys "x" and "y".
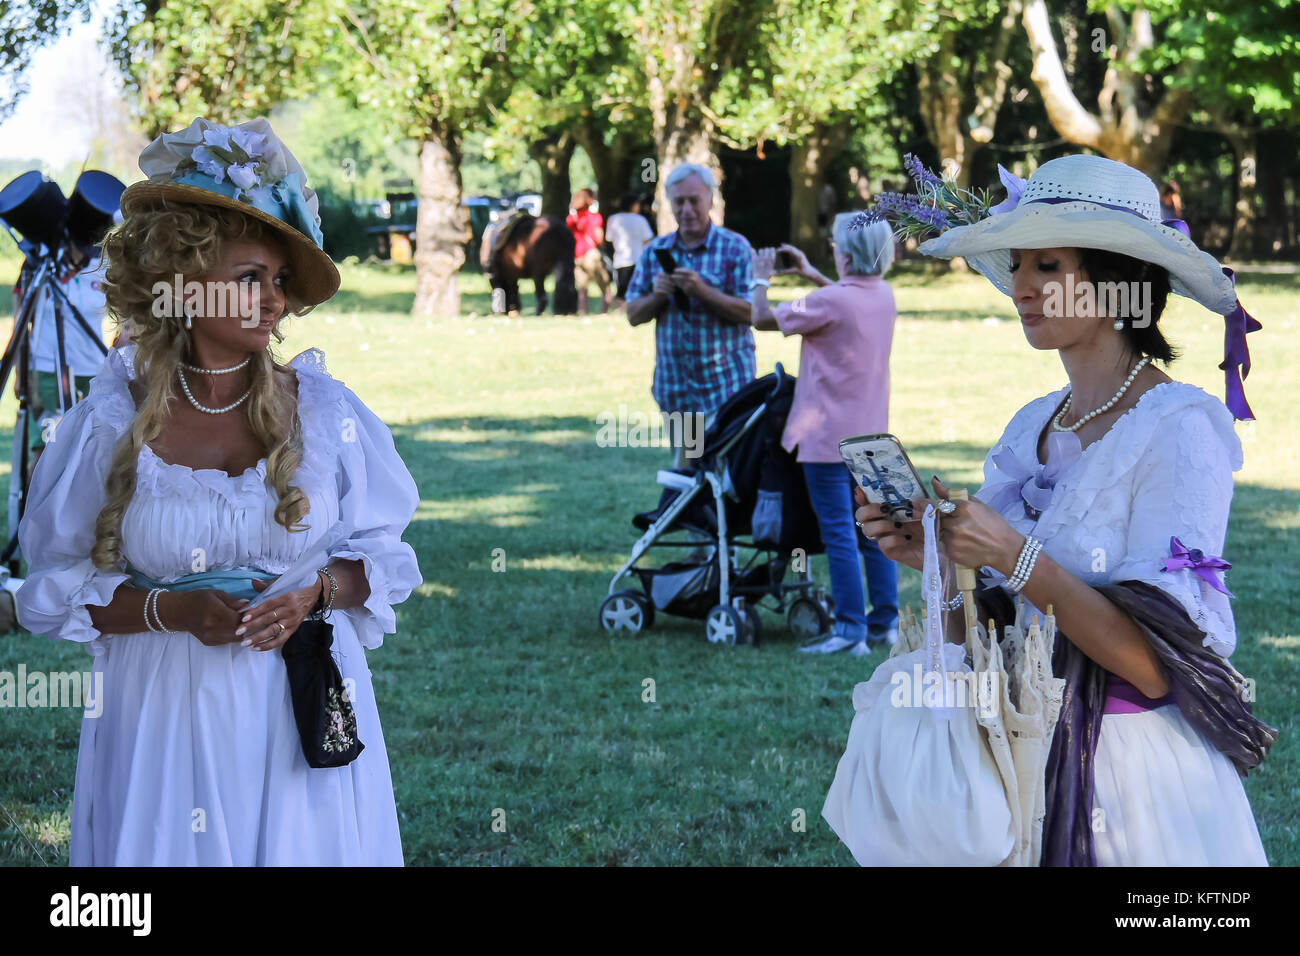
{"x": 1075, "y": 201}
{"x": 248, "y": 169}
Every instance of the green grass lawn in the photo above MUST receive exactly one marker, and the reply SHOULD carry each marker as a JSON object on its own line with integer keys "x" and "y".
{"x": 499, "y": 691}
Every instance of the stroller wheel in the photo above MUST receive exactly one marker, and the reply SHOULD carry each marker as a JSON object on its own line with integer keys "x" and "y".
{"x": 807, "y": 619}
{"x": 626, "y": 611}
{"x": 724, "y": 625}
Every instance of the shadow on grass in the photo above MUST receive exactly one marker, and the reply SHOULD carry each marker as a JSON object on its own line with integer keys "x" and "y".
{"x": 350, "y": 300}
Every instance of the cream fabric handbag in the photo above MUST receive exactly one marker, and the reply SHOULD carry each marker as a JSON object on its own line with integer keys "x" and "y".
{"x": 930, "y": 775}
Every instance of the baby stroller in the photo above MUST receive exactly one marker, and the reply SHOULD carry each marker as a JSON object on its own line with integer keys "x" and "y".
{"x": 743, "y": 514}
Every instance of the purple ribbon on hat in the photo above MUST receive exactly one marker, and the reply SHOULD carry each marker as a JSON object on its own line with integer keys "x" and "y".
{"x": 1202, "y": 564}
{"x": 1032, "y": 484}
{"x": 1014, "y": 186}
{"x": 1236, "y": 354}
{"x": 1054, "y": 200}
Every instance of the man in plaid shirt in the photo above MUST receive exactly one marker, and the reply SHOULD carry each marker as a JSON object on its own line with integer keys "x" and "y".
{"x": 705, "y": 351}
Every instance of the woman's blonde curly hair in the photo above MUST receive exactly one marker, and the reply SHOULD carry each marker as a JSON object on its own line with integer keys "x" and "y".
{"x": 153, "y": 245}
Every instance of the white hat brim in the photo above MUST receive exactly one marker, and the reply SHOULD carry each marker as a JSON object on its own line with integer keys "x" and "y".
{"x": 987, "y": 246}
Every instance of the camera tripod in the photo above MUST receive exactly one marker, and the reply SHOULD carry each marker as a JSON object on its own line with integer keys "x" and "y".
{"x": 39, "y": 278}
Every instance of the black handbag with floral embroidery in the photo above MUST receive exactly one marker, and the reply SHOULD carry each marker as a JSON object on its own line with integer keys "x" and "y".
{"x": 326, "y": 722}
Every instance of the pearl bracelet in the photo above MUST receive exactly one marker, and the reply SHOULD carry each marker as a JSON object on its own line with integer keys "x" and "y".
{"x": 953, "y": 604}
{"x": 1024, "y": 565}
{"x": 151, "y": 602}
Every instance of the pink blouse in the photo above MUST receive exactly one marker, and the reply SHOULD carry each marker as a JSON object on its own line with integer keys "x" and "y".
{"x": 843, "y": 387}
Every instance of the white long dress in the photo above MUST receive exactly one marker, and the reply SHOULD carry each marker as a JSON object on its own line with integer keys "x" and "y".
{"x": 195, "y": 758}
{"x": 1166, "y": 796}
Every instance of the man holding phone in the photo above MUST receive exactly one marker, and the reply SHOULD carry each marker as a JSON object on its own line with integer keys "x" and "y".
{"x": 698, "y": 283}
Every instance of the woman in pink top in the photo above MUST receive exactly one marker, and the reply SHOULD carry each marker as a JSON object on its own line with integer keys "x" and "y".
{"x": 843, "y": 390}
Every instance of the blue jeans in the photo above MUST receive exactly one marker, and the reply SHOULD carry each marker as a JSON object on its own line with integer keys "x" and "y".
{"x": 830, "y": 486}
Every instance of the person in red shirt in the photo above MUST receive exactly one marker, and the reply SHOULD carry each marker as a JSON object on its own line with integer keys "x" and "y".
{"x": 588, "y": 228}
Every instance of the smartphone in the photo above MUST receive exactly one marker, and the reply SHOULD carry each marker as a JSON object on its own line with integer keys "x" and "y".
{"x": 669, "y": 265}
{"x": 882, "y": 470}
{"x": 784, "y": 260}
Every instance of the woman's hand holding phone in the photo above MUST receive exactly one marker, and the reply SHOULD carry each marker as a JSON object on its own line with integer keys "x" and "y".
{"x": 791, "y": 260}
{"x": 974, "y": 536}
{"x": 899, "y": 539}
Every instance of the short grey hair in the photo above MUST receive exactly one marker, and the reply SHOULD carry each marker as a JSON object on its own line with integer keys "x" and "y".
{"x": 691, "y": 169}
{"x": 870, "y": 250}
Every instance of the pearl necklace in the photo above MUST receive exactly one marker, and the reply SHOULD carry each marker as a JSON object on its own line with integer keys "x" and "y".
{"x": 1056, "y": 422}
{"x": 203, "y": 408}
{"x": 215, "y": 371}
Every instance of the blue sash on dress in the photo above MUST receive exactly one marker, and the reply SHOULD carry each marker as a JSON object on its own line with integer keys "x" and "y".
{"x": 234, "y": 581}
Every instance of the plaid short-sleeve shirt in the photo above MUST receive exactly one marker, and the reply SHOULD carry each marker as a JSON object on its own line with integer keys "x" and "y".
{"x": 701, "y": 360}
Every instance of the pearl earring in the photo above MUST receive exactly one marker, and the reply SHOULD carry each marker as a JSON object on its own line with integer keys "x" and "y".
{"x": 189, "y": 321}
{"x": 1119, "y": 325}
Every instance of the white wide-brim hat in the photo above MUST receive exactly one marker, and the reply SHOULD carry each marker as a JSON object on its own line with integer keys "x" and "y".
{"x": 1092, "y": 203}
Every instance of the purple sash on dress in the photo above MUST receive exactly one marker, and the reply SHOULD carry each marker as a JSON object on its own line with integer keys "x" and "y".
{"x": 1207, "y": 689}
{"x": 1123, "y": 698}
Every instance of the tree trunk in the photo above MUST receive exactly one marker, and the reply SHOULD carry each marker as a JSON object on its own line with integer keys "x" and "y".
{"x": 616, "y": 164}
{"x": 1245, "y": 159}
{"x": 953, "y": 91}
{"x": 686, "y": 140}
{"x": 441, "y": 226}
{"x": 678, "y": 88}
{"x": 809, "y": 161}
{"x": 940, "y": 94}
{"x": 1271, "y": 146}
{"x": 1125, "y": 128}
{"x": 552, "y": 155}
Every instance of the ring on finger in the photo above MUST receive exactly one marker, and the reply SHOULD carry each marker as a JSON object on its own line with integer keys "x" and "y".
{"x": 280, "y": 626}
{"x": 274, "y": 613}
{"x": 946, "y": 507}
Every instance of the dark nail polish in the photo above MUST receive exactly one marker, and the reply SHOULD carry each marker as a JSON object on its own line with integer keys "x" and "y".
{"x": 884, "y": 509}
{"x": 898, "y": 524}
{"x": 908, "y": 537}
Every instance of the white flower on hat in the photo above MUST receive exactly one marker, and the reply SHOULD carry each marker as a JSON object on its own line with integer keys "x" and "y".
{"x": 243, "y": 176}
{"x": 235, "y": 154}
{"x": 254, "y": 144}
{"x": 206, "y": 164}
{"x": 217, "y": 136}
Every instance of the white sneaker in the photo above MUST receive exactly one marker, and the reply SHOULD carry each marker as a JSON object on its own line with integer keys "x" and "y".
{"x": 860, "y": 649}
{"x": 829, "y": 646}
{"x": 889, "y": 637}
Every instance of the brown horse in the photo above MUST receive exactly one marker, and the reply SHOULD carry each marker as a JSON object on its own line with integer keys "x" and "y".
{"x": 533, "y": 247}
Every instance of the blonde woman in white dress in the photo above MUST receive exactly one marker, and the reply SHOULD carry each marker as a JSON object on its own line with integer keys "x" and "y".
{"x": 196, "y": 471}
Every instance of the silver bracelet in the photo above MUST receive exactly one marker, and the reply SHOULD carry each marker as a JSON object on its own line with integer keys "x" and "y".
{"x": 328, "y": 604}
{"x": 953, "y": 604}
{"x": 151, "y": 604}
{"x": 1024, "y": 565}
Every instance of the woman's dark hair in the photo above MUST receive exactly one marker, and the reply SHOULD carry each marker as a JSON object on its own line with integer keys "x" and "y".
{"x": 628, "y": 201}
{"x": 1104, "y": 266}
